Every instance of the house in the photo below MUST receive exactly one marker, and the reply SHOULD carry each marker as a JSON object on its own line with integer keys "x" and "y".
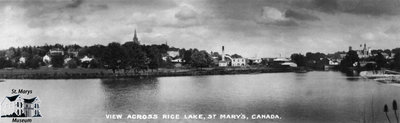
{"x": 86, "y": 59}
{"x": 73, "y": 52}
{"x": 56, "y": 51}
{"x": 254, "y": 60}
{"x": 173, "y": 54}
{"x": 334, "y": 62}
{"x": 16, "y": 106}
{"x": 22, "y": 60}
{"x": 46, "y": 59}
{"x": 223, "y": 63}
{"x": 174, "y": 57}
{"x": 238, "y": 61}
{"x": 284, "y": 62}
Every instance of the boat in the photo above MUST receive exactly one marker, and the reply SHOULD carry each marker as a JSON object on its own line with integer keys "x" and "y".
{"x": 383, "y": 76}
{"x": 378, "y": 74}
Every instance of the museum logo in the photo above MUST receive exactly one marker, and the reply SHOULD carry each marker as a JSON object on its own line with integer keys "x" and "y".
{"x": 20, "y": 108}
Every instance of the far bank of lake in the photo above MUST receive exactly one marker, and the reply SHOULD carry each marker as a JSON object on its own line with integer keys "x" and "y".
{"x": 83, "y": 73}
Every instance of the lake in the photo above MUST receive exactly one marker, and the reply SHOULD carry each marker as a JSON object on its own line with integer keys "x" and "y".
{"x": 312, "y": 97}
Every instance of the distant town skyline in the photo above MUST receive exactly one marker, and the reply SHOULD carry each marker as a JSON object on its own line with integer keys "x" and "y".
{"x": 247, "y": 27}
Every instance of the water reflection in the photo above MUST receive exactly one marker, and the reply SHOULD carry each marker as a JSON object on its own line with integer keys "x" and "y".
{"x": 311, "y": 97}
{"x": 129, "y": 95}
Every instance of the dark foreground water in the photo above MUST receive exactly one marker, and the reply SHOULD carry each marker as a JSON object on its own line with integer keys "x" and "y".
{"x": 318, "y": 97}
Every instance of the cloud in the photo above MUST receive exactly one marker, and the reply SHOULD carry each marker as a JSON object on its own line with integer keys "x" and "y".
{"x": 74, "y": 4}
{"x": 44, "y": 13}
{"x": 267, "y": 27}
{"x": 329, "y": 6}
{"x": 186, "y": 13}
{"x": 360, "y": 7}
{"x": 273, "y": 16}
{"x": 393, "y": 30}
{"x": 300, "y": 16}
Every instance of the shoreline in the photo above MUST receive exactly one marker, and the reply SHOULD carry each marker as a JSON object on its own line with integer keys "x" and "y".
{"x": 83, "y": 73}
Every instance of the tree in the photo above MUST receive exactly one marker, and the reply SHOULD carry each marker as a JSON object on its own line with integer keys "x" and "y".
{"x": 396, "y": 61}
{"x": 115, "y": 56}
{"x": 57, "y": 61}
{"x": 349, "y": 60}
{"x": 298, "y": 59}
{"x": 236, "y": 56}
{"x": 4, "y": 63}
{"x": 396, "y": 50}
{"x": 380, "y": 60}
{"x": 201, "y": 59}
{"x": 187, "y": 57}
{"x": 34, "y": 62}
{"x": 73, "y": 63}
{"x": 136, "y": 57}
{"x": 154, "y": 56}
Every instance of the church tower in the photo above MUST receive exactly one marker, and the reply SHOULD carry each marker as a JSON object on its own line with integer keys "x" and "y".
{"x": 135, "y": 39}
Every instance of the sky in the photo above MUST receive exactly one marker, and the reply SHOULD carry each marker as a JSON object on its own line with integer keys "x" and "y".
{"x": 251, "y": 28}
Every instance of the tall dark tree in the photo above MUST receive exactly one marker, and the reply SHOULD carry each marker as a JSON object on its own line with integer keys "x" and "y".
{"x": 396, "y": 61}
{"x": 201, "y": 59}
{"x": 115, "y": 56}
{"x": 4, "y": 63}
{"x": 154, "y": 56}
{"x": 380, "y": 60}
{"x": 57, "y": 61}
{"x": 136, "y": 57}
{"x": 34, "y": 62}
{"x": 298, "y": 59}
{"x": 350, "y": 59}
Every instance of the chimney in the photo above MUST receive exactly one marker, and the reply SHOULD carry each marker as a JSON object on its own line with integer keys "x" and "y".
{"x": 223, "y": 53}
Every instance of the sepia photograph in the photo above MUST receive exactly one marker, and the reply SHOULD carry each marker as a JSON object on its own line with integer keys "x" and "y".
{"x": 199, "y": 61}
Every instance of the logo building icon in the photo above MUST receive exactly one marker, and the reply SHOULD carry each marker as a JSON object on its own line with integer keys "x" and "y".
{"x": 16, "y": 106}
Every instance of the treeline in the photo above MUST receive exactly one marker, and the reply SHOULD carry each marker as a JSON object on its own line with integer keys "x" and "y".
{"x": 351, "y": 59}
{"x": 315, "y": 61}
{"x": 112, "y": 56}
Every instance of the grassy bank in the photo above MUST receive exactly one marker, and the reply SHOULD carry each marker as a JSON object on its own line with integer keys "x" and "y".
{"x": 82, "y": 73}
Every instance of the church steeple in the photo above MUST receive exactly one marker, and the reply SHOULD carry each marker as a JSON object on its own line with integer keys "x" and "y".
{"x": 135, "y": 39}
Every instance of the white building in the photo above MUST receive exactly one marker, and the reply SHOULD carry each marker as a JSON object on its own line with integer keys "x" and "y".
{"x": 86, "y": 59}
{"x": 56, "y": 51}
{"x": 22, "y": 60}
{"x": 255, "y": 60}
{"x": 46, "y": 59}
{"x": 15, "y": 106}
{"x": 285, "y": 62}
{"x": 178, "y": 60}
{"x": 238, "y": 61}
{"x": 222, "y": 63}
{"x": 173, "y": 54}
